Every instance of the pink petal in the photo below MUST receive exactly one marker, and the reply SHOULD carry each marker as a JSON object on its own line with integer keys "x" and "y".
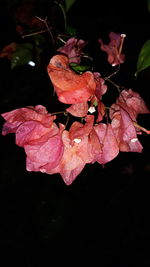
{"x": 79, "y": 130}
{"x": 70, "y": 87}
{"x": 101, "y": 111}
{"x": 44, "y": 156}
{"x": 73, "y": 49}
{"x": 108, "y": 141}
{"x": 78, "y": 110}
{"x": 125, "y": 131}
{"x": 94, "y": 146}
{"x": 31, "y": 132}
{"x": 16, "y": 117}
{"x": 73, "y": 159}
{"x": 114, "y": 48}
{"x": 101, "y": 87}
{"x": 132, "y": 102}
{"x": 76, "y": 150}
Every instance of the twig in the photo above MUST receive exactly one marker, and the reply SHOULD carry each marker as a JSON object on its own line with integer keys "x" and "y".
{"x": 141, "y": 128}
{"x": 59, "y": 112}
{"x": 116, "y": 85}
{"x": 58, "y": 37}
{"x": 63, "y": 12}
{"x": 48, "y": 28}
{"x": 33, "y": 33}
{"x": 114, "y": 73}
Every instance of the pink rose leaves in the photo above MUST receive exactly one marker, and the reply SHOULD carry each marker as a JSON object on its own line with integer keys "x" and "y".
{"x": 51, "y": 147}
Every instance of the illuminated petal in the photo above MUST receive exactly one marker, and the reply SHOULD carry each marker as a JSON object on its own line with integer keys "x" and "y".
{"x": 70, "y": 87}
{"x": 108, "y": 141}
{"x": 78, "y": 110}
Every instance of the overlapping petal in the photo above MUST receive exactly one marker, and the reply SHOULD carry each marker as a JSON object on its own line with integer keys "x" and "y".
{"x": 114, "y": 48}
{"x": 18, "y": 116}
{"x": 124, "y": 130}
{"x": 46, "y": 152}
{"x": 76, "y": 150}
{"x": 78, "y": 110}
{"x": 73, "y": 49}
{"x": 71, "y": 88}
{"x": 132, "y": 102}
{"x": 38, "y": 134}
{"x": 108, "y": 143}
{"x": 101, "y": 87}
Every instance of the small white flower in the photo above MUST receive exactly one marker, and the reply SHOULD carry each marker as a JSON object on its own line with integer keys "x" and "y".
{"x": 31, "y": 63}
{"x": 77, "y": 140}
{"x": 123, "y": 35}
{"x": 92, "y": 109}
{"x": 134, "y": 140}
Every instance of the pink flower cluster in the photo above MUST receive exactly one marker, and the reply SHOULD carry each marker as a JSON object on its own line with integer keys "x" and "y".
{"x": 52, "y": 148}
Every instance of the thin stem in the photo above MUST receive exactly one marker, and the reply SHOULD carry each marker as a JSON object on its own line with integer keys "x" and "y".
{"x": 63, "y": 11}
{"x": 140, "y": 127}
{"x": 114, "y": 73}
{"x": 48, "y": 28}
{"x": 59, "y": 112}
{"x": 58, "y": 37}
{"x": 121, "y": 44}
{"x": 33, "y": 33}
{"x": 67, "y": 115}
{"x": 116, "y": 85}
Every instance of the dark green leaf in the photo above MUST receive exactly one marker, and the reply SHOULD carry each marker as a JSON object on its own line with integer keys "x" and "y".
{"x": 79, "y": 68}
{"x": 148, "y": 2}
{"x": 68, "y": 4}
{"x": 22, "y": 55}
{"x": 143, "y": 58}
{"x": 71, "y": 30}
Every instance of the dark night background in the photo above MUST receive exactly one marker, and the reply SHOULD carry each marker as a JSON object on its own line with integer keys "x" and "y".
{"x": 102, "y": 219}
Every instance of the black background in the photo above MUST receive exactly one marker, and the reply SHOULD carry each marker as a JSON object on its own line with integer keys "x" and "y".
{"x": 102, "y": 219}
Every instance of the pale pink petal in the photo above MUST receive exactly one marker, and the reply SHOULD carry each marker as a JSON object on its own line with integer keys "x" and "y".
{"x": 94, "y": 146}
{"x": 125, "y": 131}
{"x": 44, "y": 156}
{"x": 16, "y": 117}
{"x": 79, "y": 130}
{"x": 132, "y": 102}
{"x": 108, "y": 141}
{"x": 73, "y": 159}
{"x": 31, "y": 132}
{"x": 76, "y": 150}
{"x": 78, "y": 110}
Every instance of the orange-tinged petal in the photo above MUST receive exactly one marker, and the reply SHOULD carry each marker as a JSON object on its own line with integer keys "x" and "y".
{"x": 78, "y": 110}
{"x": 70, "y": 87}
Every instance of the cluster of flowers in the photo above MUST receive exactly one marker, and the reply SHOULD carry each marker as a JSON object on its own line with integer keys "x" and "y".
{"x": 51, "y": 147}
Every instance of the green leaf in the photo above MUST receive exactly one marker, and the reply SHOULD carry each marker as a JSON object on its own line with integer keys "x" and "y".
{"x": 148, "y": 3}
{"x": 22, "y": 55}
{"x": 71, "y": 30}
{"x": 68, "y": 4}
{"x": 79, "y": 68}
{"x": 143, "y": 61}
{"x": 95, "y": 103}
